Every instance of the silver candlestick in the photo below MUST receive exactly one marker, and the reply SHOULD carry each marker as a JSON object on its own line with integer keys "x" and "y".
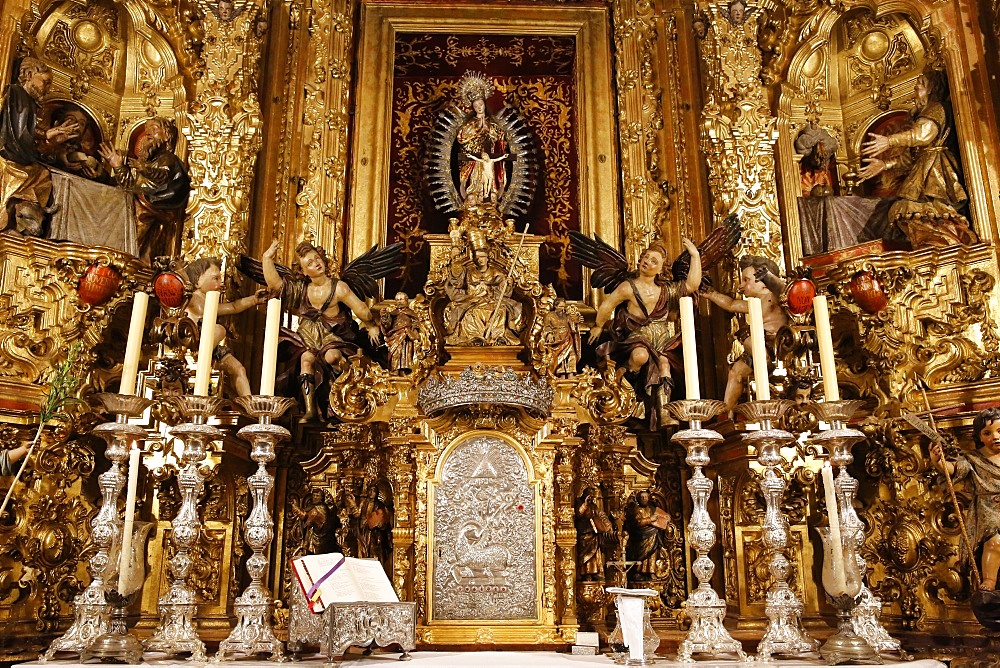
{"x": 837, "y": 442}
{"x": 176, "y": 633}
{"x": 784, "y": 634}
{"x": 91, "y": 611}
{"x": 253, "y": 633}
{"x": 708, "y": 634}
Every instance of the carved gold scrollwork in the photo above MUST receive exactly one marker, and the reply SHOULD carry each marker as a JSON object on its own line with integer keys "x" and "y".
{"x": 934, "y": 322}
{"x": 425, "y": 354}
{"x": 360, "y": 391}
{"x": 605, "y": 395}
{"x": 41, "y": 311}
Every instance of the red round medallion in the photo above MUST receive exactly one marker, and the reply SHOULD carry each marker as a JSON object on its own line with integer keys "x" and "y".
{"x": 800, "y": 296}
{"x": 99, "y": 284}
{"x": 868, "y": 292}
{"x": 169, "y": 289}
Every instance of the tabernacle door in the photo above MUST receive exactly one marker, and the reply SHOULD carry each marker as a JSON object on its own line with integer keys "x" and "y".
{"x": 484, "y": 542}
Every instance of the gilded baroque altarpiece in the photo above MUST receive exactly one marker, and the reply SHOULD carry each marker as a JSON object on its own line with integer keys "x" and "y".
{"x": 324, "y": 139}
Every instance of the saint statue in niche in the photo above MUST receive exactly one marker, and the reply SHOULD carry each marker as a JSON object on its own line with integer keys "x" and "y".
{"x": 476, "y": 154}
{"x": 481, "y": 143}
{"x": 926, "y": 205}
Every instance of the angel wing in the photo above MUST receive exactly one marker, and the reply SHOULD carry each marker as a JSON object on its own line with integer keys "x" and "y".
{"x": 610, "y": 267}
{"x": 252, "y": 268}
{"x": 362, "y": 272}
{"x": 717, "y": 245}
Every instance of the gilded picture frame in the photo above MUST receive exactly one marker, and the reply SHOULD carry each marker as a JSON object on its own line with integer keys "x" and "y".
{"x": 596, "y": 131}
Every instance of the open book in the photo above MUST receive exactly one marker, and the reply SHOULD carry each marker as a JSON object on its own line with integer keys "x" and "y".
{"x": 334, "y": 578}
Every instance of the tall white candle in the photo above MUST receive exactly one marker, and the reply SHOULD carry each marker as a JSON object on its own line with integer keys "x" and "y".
{"x": 203, "y": 374}
{"x": 824, "y": 337}
{"x": 758, "y": 349}
{"x": 133, "y": 349}
{"x": 124, "y": 559}
{"x": 690, "y": 351}
{"x": 837, "y": 547}
{"x": 270, "y": 363}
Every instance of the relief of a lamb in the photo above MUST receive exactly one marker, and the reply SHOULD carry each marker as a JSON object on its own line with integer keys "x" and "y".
{"x": 477, "y": 556}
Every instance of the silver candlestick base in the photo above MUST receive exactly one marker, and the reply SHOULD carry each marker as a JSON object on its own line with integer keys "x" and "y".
{"x": 708, "y": 634}
{"x": 175, "y": 633}
{"x": 117, "y": 645}
{"x": 837, "y": 442}
{"x": 253, "y": 633}
{"x": 784, "y": 634}
{"x": 91, "y": 611}
{"x": 845, "y": 646}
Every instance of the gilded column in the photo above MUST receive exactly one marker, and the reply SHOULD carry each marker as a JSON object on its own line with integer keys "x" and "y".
{"x": 310, "y": 184}
{"x": 402, "y": 470}
{"x": 640, "y": 119}
{"x": 738, "y": 130}
{"x": 222, "y": 127}
{"x": 566, "y": 444}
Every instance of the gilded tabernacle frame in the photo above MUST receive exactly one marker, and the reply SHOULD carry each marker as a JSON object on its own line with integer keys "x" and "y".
{"x": 596, "y": 128}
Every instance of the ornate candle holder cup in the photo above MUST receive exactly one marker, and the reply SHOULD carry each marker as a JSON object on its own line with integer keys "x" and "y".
{"x": 784, "y": 634}
{"x": 845, "y": 646}
{"x": 253, "y": 633}
{"x": 176, "y": 633}
{"x": 91, "y": 610}
{"x": 837, "y": 443}
{"x": 707, "y": 634}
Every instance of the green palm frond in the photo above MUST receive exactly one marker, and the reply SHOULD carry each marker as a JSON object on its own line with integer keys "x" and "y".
{"x": 62, "y": 388}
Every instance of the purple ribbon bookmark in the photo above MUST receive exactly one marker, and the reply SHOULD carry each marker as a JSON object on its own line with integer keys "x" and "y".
{"x": 312, "y": 593}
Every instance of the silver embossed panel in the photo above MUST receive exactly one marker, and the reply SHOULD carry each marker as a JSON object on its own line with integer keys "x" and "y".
{"x": 484, "y": 534}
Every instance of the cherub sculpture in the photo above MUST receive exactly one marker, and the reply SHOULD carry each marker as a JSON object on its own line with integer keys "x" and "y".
{"x": 644, "y": 306}
{"x": 561, "y": 336}
{"x": 399, "y": 323}
{"x": 759, "y": 277}
{"x": 326, "y": 332}
{"x": 205, "y": 276}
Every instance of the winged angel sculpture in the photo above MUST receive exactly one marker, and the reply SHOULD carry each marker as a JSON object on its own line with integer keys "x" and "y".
{"x": 638, "y": 316}
{"x": 326, "y": 333}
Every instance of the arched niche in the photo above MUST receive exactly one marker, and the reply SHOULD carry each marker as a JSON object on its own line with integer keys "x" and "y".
{"x": 854, "y": 73}
{"x": 109, "y": 60}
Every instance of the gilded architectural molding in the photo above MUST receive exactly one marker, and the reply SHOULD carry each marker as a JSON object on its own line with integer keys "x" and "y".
{"x": 222, "y": 126}
{"x": 738, "y": 130}
{"x": 637, "y": 66}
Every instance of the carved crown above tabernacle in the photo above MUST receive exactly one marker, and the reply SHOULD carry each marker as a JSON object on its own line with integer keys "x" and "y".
{"x": 478, "y": 384}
